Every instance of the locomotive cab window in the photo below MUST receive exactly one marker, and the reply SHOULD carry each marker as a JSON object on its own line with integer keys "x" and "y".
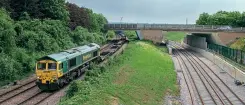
{"x": 41, "y": 66}
{"x": 52, "y": 66}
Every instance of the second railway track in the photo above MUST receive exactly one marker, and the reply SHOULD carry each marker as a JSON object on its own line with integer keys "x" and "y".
{"x": 217, "y": 89}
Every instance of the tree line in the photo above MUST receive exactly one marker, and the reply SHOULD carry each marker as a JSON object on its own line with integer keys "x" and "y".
{"x": 234, "y": 18}
{"x": 30, "y": 29}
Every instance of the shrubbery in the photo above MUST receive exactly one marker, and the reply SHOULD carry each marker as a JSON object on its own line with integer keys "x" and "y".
{"x": 111, "y": 34}
{"x": 92, "y": 78}
{"x": 130, "y": 34}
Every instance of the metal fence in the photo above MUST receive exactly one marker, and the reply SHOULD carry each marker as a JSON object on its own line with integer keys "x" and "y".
{"x": 235, "y": 55}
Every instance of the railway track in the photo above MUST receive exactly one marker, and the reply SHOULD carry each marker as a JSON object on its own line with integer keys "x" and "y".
{"x": 30, "y": 94}
{"x": 219, "y": 92}
{"x": 184, "y": 74}
{"x": 10, "y": 94}
{"x": 192, "y": 79}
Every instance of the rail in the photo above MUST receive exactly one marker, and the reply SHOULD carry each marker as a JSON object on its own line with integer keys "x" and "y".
{"x": 203, "y": 67}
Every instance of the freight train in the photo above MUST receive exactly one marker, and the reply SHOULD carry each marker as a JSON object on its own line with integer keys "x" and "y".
{"x": 55, "y": 70}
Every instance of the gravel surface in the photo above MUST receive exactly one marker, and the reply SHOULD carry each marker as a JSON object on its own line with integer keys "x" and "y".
{"x": 56, "y": 97}
{"x": 185, "y": 95}
{"x": 11, "y": 86}
{"x": 228, "y": 80}
{"x": 20, "y": 98}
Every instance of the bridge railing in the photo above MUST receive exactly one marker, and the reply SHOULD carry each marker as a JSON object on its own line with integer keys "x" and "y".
{"x": 174, "y": 27}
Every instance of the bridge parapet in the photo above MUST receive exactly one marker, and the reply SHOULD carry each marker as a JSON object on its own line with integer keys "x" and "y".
{"x": 174, "y": 27}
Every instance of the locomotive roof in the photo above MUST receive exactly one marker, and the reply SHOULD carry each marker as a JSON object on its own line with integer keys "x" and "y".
{"x": 71, "y": 53}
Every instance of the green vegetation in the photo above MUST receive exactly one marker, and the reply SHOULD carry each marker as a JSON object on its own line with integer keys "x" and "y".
{"x": 175, "y": 36}
{"x": 130, "y": 34}
{"x": 234, "y": 18}
{"x": 30, "y": 29}
{"x": 143, "y": 74}
{"x": 111, "y": 34}
{"x": 239, "y": 44}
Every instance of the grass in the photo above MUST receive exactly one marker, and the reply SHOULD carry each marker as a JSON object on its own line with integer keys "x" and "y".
{"x": 143, "y": 74}
{"x": 176, "y": 36}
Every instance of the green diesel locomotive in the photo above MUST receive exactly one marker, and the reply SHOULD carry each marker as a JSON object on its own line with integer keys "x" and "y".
{"x": 55, "y": 70}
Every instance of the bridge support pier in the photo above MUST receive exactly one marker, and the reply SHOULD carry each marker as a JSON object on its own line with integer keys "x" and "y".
{"x": 196, "y": 41}
{"x": 139, "y": 35}
{"x": 157, "y": 36}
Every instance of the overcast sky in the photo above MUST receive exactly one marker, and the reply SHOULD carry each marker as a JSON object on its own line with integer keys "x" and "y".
{"x": 158, "y": 11}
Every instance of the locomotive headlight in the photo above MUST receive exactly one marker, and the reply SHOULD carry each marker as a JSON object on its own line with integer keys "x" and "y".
{"x": 38, "y": 77}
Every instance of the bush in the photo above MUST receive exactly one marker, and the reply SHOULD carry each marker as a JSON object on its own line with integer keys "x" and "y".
{"x": 72, "y": 89}
{"x": 111, "y": 34}
{"x": 130, "y": 34}
{"x": 9, "y": 68}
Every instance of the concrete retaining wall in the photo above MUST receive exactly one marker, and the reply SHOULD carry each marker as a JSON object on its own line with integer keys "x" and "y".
{"x": 154, "y": 35}
{"x": 196, "y": 41}
{"x": 233, "y": 71}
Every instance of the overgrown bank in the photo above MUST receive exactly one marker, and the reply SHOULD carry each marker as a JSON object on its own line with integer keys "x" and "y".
{"x": 143, "y": 74}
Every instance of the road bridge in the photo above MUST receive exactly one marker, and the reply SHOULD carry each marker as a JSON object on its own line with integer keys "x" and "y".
{"x": 219, "y": 34}
{"x": 175, "y": 27}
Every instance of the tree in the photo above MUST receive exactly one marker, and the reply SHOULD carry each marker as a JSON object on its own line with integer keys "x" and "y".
{"x": 97, "y": 22}
{"x": 5, "y": 4}
{"x": 29, "y": 6}
{"x": 7, "y": 32}
{"x": 233, "y": 18}
{"x": 25, "y": 16}
{"x": 54, "y": 9}
{"x": 101, "y": 22}
{"x": 78, "y": 16}
{"x": 241, "y": 21}
{"x": 203, "y": 19}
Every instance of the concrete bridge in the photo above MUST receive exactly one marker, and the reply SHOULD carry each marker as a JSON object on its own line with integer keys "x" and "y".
{"x": 156, "y": 32}
{"x": 175, "y": 27}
